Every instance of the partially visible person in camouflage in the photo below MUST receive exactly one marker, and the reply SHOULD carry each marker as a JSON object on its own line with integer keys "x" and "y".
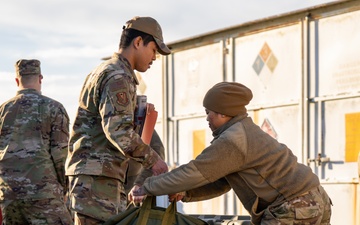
{"x": 34, "y": 132}
{"x": 264, "y": 174}
{"x": 103, "y": 137}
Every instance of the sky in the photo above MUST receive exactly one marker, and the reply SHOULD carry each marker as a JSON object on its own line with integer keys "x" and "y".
{"x": 70, "y": 37}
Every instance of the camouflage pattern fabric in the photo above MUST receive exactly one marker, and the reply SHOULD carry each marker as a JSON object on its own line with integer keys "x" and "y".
{"x": 311, "y": 208}
{"x": 25, "y": 67}
{"x": 98, "y": 197}
{"x": 135, "y": 172}
{"x": 83, "y": 219}
{"x": 103, "y": 134}
{"x": 34, "y": 133}
{"x": 39, "y": 212}
{"x": 103, "y": 139}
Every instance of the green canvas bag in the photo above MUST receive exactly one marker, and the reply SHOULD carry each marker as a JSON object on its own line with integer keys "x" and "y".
{"x": 150, "y": 214}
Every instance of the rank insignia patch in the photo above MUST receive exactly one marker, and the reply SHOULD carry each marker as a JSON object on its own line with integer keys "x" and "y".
{"x": 122, "y": 98}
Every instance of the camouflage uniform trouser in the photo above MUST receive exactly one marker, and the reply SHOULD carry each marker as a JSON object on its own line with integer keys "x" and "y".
{"x": 311, "y": 208}
{"x": 42, "y": 212}
{"x": 93, "y": 199}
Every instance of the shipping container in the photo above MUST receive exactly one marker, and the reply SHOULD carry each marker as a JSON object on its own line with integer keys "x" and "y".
{"x": 304, "y": 70}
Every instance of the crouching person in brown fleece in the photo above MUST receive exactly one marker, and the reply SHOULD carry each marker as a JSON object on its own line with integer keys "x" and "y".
{"x": 264, "y": 174}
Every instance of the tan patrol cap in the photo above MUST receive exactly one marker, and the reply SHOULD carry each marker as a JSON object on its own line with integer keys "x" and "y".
{"x": 25, "y": 67}
{"x": 150, "y": 26}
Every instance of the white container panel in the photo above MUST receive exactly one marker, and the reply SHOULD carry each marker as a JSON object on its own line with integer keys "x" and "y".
{"x": 269, "y": 63}
{"x": 338, "y": 47}
{"x": 345, "y": 210}
{"x": 276, "y": 60}
{"x": 195, "y": 71}
{"x": 333, "y": 131}
{"x": 187, "y": 129}
{"x": 151, "y": 85}
{"x": 283, "y": 124}
{"x": 159, "y": 131}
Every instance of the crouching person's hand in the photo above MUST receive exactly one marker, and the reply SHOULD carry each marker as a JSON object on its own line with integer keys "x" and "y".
{"x": 137, "y": 194}
{"x": 176, "y": 197}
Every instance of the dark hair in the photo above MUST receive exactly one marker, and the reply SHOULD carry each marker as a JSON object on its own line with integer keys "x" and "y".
{"x": 129, "y": 34}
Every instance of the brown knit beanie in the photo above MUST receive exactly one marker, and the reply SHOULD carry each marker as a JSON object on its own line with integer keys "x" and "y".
{"x": 228, "y": 98}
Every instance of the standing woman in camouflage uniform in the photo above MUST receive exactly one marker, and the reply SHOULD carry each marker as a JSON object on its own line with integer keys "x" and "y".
{"x": 34, "y": 131}
{"x": 103, "y": 137}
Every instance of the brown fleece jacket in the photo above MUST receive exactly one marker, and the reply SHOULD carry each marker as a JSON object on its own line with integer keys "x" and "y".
{"x": 242, "y": 157}
{"x": 259, "y": 169}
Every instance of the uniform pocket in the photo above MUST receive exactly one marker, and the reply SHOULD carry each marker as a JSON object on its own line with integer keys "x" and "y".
{"x": 307, "y": 212}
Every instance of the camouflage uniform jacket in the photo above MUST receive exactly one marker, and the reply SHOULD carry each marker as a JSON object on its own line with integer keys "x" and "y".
{"x": 34, "y": 131}
{"x": 103, "y": 135}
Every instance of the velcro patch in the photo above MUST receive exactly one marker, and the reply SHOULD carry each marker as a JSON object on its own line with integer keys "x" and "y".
{"x": 122, "y": 98}
{"x": 114, "y": 86}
